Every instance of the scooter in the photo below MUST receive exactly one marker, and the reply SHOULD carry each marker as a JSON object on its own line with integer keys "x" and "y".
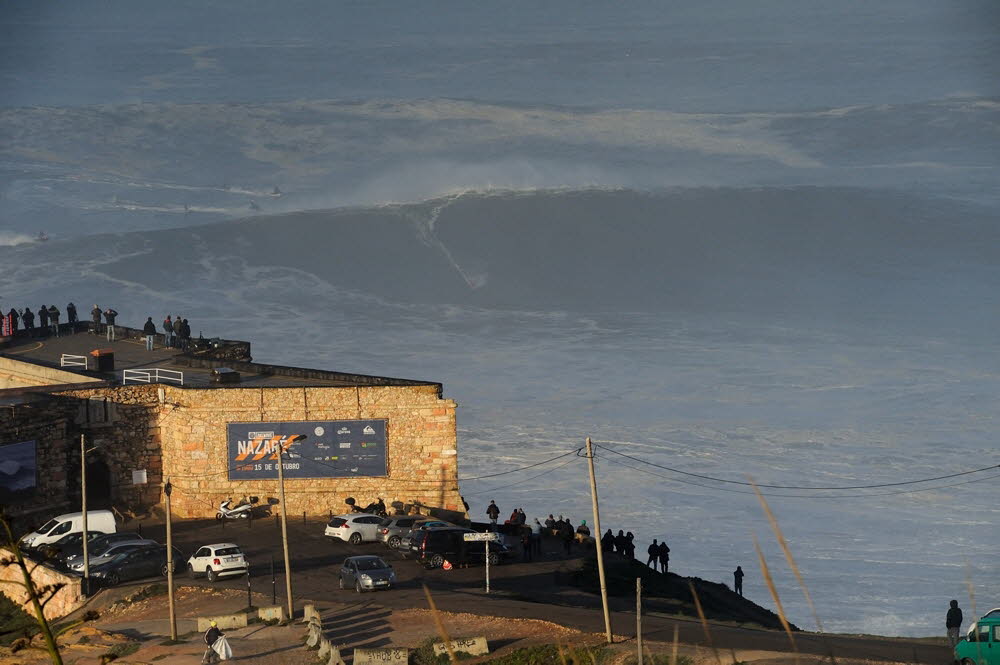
{"x": 227, "y": 512}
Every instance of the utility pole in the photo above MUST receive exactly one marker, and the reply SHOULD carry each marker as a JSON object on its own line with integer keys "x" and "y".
{"x": 600, "y": 554}
{"x": 83, "y": 507}
{"x": 167, "y": 489}
{"x": 284, "y": 530}
{"x": 638, "y": 620}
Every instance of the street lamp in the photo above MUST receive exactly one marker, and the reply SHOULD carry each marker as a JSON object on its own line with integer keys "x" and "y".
{"x": 167, "y": 489}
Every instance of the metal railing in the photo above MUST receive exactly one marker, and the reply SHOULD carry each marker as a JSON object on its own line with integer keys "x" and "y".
{"x": 152, "y": 375}
{"x": 69, "y": 360}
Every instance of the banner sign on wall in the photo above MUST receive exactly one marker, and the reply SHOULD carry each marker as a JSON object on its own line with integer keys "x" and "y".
{"x": 18, "y": 471}
{"x": 313, "y": 449}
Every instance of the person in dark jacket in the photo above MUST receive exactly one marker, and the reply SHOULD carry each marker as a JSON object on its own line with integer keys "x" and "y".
{"x": 14, "y": 319}
{"x": 43, "y": 320}
{"x": 582, "y": 532}
{"x": 211, "y": 636}
{"x": 168, "y": 332}
{"x": 71, "y": 316}
{"x": 95, "y": 320}
{"x": 493, "y": 512}
{"x": 630, "y": 545}
{"x": 620, "y": 542}
{"x": 29, "y": 321}
{"x": 149, "y": 329}
{"x": 608, "y": 541}
{"x": 109, "y": 320}
{"x": 54, "y": 319}
{"x": 550, "y": 523}
{"x": 185, "y": 335}
{"x": 654, "y": 554}
{"x": 567, "y": 535}
{"x": 738, "y": 580}
{"x": 664, "y": 557}
{"x": 953, "y": 622}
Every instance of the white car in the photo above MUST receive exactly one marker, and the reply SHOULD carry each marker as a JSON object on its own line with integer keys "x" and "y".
{"x": 354, "y": 528}
{"x": 214, "y": 561}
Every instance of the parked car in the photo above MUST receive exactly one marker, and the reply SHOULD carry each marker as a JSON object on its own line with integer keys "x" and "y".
{"x": 434, "y": 546}
{"x": 405, "y": 541}
{"x": 68, "y": 545}
{"x": 214, "y": 561}
{"x": 354, "y": 528}
{"x": 392, "y": 531}
{"x": 366, "y": 573}
{"x": 59, "y": 526}
{"x": 98, "y": 543}
{"x": 98, "y": 557}
{"x": 981, "y": 645}
{"x": 135, "y": 564}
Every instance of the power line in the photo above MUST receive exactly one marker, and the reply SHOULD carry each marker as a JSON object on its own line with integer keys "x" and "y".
{"x": 801, "y": 496}
{"x": 800, "y": 487}
{"x": 493, "y": 489}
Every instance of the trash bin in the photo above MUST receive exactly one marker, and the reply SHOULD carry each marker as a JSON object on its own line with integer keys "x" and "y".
{"x": 104, "y": 359}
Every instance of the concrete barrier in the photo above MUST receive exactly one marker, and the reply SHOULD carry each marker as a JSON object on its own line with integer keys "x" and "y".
{"x": 381, "y": 656}
{"x": 474, "y": 646}
{"x": 225, "y": 622}
{"x": 309, "y": 611}
{"x": 271, "y": 613}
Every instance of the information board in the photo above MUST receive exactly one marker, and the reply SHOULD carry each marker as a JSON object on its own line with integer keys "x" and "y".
{"x": 313, "y": 449}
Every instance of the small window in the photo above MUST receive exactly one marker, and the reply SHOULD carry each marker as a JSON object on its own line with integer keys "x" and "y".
{"x": 62, "y": 528}
{"x": 984, "y": 634}
{"x": 48, "y": 526}
{"x": 996, "y": 633}
{"x": 227, "y": 551}
{"x": 204, "y": 551}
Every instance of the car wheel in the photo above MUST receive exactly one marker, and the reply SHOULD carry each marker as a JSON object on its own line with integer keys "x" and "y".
{"x": 355, "y": 538}
{"x": 210, "y": 575}
{"x": 165, "y": 570}
{"x": 494, "y": 558}
{"x": 191, "y": 570}
{"x": 393, "y": 542}
{"x": 357, "y": 587}
{"x": 437, "y": 561}
{"x": 112, "y": 580}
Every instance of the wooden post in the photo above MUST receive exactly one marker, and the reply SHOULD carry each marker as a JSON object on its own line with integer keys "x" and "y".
{"x": 638, "y": 620}
{"x": 600, "y": 553}
{"x": 83, "y": 507}
{"x": 284, "y": 530}
{"x": 167, "y": 489}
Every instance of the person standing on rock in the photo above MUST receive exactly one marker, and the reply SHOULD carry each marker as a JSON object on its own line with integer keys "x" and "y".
{"x": 654, "y": 554}
{"x": 493, "y": 512}
{"x": 738, "y": 580}
{"x": 953, "y": 622}
{"x": 664, "y": 557}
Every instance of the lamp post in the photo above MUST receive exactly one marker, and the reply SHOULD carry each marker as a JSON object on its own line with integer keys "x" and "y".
{"x": 284, "y": 530}
{"x": 167, "y": 489}
{"x": 83, "y": 509}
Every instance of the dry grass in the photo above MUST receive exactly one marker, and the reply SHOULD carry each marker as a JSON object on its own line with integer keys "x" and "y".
{"x": 774, "y": 594}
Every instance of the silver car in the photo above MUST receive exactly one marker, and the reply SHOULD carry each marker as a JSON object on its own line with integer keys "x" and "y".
{"x": 393, "y": 531}
{"x": 353, "y": 528}
{"x": 366, "y": 573}
{"x": 105, "y": 554}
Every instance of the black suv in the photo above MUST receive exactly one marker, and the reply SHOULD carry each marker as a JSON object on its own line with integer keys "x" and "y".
{"x": 434, "y": 546}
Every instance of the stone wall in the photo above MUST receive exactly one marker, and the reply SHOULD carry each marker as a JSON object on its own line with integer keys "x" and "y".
{"x": 421, "y": 438}
{"x": 67, "y": 599}
{"x": 18, "y": 374}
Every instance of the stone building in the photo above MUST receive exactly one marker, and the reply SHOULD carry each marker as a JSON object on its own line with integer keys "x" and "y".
{"x": 210, "y": 419}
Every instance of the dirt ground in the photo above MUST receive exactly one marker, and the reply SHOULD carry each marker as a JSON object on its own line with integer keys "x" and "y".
{"x": 135, "y": 627}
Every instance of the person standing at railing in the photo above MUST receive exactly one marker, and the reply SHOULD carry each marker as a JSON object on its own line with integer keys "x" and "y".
{"x": 43, "y": 320}
{"x": 71, "y": 317}
{"x": 150, "y": 330}
{"x": 185, "y": 335}
{"x": 168, "y": 332}
{"x": 109, "y": 319}
{"x": 29, "y": 321}
{"x": 178, "y": 326}
{"x": 54, "y": 319}
{"x": 14, "y": 318}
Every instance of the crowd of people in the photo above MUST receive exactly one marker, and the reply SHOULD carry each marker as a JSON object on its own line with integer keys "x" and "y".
{"x": 16, "y": 322}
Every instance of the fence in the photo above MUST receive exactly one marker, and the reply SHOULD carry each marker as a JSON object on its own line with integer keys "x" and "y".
{"x": 152, "y": 375}
{"x": 69, "y": 360}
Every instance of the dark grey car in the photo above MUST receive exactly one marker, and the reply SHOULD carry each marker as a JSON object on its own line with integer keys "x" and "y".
{"x": 393, "y": 531}
{"x": 366, "y": 573}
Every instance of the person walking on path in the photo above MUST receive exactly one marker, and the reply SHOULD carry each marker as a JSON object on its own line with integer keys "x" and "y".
{"x": 149, "y": 329}
{"x": 71, "y": 317}
{"x": 953, "y": 622}
{"x": 28, "y": 317}
{"x": 109, "y": 319}
{"x": 211, "y": 637}
{"x": 95, "y": 320}
{"x": 738, "y": 581}
{"x": 43, "y": 320}
{"x": 493, "y": 512}
{"x": 54, "y": 319}
{"x": 664, "y": 557}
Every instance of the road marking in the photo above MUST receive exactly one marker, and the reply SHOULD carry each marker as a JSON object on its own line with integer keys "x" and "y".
{"x": 34, "y": 348}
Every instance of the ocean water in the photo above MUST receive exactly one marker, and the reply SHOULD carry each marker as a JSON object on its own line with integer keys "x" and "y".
{"x": 741, "y": 242}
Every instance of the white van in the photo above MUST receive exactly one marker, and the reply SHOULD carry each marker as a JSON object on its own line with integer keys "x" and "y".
{"x": 97, "y": 520}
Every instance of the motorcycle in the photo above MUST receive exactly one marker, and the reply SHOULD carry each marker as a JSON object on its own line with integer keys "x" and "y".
{"x": 241, "y": 511}
{"x": 374, "y": 508}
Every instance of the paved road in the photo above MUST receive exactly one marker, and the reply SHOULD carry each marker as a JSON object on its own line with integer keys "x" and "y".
{"x": 522, "y": 590}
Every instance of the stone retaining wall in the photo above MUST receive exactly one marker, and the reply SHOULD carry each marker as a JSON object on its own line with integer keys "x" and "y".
{"x": 66, "y": 599}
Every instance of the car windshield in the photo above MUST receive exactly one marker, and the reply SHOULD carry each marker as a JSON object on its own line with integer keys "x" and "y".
{"x": 227, "y": 551}
{"x": 374, "y": 563}
{"x": 48, "y": 526}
